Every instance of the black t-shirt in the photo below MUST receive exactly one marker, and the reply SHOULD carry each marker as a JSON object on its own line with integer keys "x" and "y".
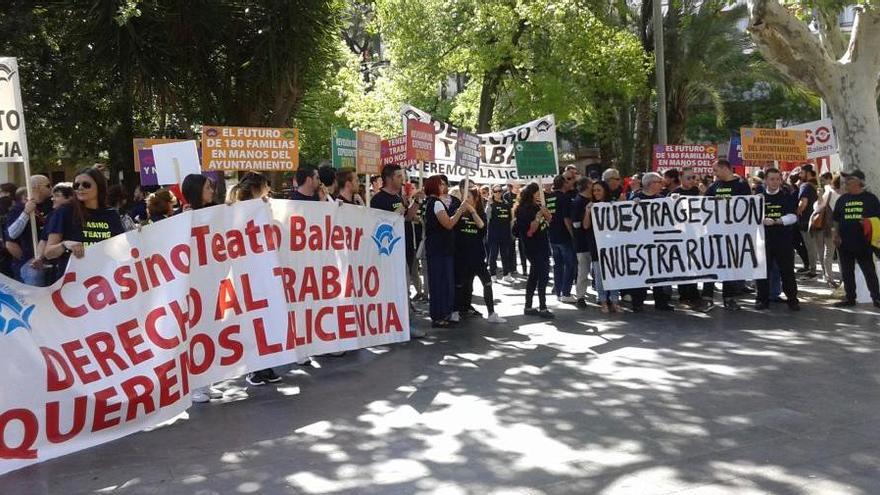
{"x": 97, "y": 225}
{"x": 469, "y": 239}
{"x": 777, "y": 206}
{"x": 584, "y": 239}
{"x": 499, "y": 220}
{"x": 694, "y": 191}
{"x": 298, "y": 196}
{"x": 537, "y": 242}
{"x": 849, "y": 212}
{"x": 730, "y": 188}
{"x": 439, "y": 241}
{"x": 346, "y": 201}
{"x": 559, "y": 204}
{"x": 384, "y": 200}
{"x": 808, "y": 191}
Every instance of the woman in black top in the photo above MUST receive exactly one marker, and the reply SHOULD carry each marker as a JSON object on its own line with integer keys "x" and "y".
{"x": 439, "y": 249}
{"x": 470, "y": 260}
{"x": 532, "y": 219}
{"x": 498, "y": 235}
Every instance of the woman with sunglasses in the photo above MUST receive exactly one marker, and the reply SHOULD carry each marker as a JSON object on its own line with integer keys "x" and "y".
{"x": 85, "y": 221}
{"x": 532, "y": 219}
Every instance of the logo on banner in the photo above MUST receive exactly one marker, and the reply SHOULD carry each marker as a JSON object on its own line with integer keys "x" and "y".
{"x": 543, "y": 126}
{"x": 13, "y": 314}
{"x": 385, "y": 239}
{"x": 6, "y": 73}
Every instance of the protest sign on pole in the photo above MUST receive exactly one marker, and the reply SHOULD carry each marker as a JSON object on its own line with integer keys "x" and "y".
{"x": 467, "y": 153}
{"x": 419, "y": 144}
{"x": 263, "y": 149}
{"x": 820, "y": 138}
{"x": 343, "y": 144}
{"x": 497, "y": 154}
{"x": 144, "y": 318}
{"x": 536, "y": 159}
{"x": 13, "y": 136}
{"x": 699, "y": 157}
{"x": 393, "y": 152}
{"x": 767, "y": 145}
{"x": 144, "y": 163}
{"x": 369, "y": 153}
{"x": 687, "y": 239}
{"x": 174, "y": 161}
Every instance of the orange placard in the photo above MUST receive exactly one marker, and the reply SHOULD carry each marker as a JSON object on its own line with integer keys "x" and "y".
{"x": 369, "y": 153}
{"x": 264, "y": 149}
{"x": 767, "y": 145}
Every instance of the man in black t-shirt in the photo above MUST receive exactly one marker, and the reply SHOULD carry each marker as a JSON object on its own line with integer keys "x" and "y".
{"x": 560, "y": 230}
{"x": 853, "y": 247}
{"x": 726, "y": 185}
{"x": 307, "y": 184}
{"x": 389, "y": 198}
{"x": 779, "y": 224}
{"x": 688, "y": 294}
{"x": 806, "y": 198}
{"x": 652, "y": 188}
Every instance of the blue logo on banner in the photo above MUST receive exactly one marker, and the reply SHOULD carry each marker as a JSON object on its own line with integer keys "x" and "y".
{"x": 384, "y": 239}
{"x": 13, "y": 315}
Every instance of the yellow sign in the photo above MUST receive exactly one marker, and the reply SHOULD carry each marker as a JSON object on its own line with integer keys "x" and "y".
{"x": 263, "y": 149}
{"x": 767, "y": 145}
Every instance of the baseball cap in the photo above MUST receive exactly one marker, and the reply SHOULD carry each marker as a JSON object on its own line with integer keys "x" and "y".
{"x": 855, "y": 173}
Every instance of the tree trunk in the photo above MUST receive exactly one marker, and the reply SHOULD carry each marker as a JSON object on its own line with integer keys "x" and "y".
{"x": 853, "y": 106}
{"x": 488, "y": 93}
{"x": 644, "y": 116}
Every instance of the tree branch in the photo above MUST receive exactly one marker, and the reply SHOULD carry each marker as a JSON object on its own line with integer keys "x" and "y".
{"x": 864, "y": 44}
{"x": 829, "y": 32}
{"x": 788, "y": 44}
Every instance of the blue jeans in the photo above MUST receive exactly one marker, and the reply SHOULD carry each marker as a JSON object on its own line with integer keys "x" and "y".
{"x": 564, "y": 264}
{"x": 441, "y": 284}
{"x": 604, "y": 295}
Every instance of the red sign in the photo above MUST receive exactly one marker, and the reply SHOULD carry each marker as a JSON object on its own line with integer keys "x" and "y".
{"x": 419, "y": 141}
{"x": 699, "y": 157}
{"x": 394, "y": 152}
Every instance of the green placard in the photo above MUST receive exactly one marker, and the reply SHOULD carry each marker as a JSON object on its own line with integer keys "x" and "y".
{"x": 534, "y": 158}
{"x": 344, "y": 144}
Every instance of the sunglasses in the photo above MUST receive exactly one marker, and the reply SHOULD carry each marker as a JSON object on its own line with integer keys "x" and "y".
{"x": 689, "y": 177}
{"x": 496, "y": 191}
{"x": 82, "y": 185}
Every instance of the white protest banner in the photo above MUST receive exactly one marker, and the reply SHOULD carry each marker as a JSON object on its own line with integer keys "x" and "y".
{"x": 497, "y": 158}
{"x": 13, "y": 138}
{"x": 686, "y": 239}
{"x": 821, "y": 140}
{"x": 174, "y": 161}
{"x": 118, "y": 343}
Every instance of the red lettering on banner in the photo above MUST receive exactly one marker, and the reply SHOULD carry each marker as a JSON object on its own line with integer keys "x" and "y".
{"x": 263, "y": 346}
{"x": 226, "y": 341}
{"x": 208, "y": 353}
{"x": 392, "y": 320}
{"x": 122, "y": 278}
{"x": 135, "y": 397}
{"x": 235, "y": 244}
{"x": 177, "y": 254}
{"x": 252, "y": 232}
{"x": 61, "y": 305}
{"x": 346, "y": 321}
{"x": 31, "y": 428}
{"x": 79, "y": 363}
{"x": 103, "y": 408}
{"x": 200, "y": 233}
{"x": 218, "y": 248}
{"x": 53, "y": 420}
{"x": 309, "y": 284}
{"x": 167, "y": 396}
{"x": 226, "y": 299}
{"x": 320, "y": 237}
{"x": 330, "y": 282}
{"x": 251, "y": 304}
{"x": 130, "y": 342}
{"x": 103, "y": 348}
{"x": 153, "y": 333}
{"x": 319, "y": 324}
{"x": 54, "y": 363}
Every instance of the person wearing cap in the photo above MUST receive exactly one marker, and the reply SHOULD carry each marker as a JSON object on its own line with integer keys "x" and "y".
{"x": 853, "y": 207}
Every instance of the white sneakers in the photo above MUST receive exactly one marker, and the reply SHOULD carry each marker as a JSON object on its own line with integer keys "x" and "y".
{"x": 568, "y": 299}
{"x": 494, "y": 318}
{"x": 455, "y": 317}
{"x": 205, "y": 394}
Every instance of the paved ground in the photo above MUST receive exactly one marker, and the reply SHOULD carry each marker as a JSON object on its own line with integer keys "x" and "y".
{"x": 686, "y": 403}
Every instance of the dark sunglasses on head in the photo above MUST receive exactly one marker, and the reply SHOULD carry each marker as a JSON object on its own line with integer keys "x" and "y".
{"x": 82, "y": 185}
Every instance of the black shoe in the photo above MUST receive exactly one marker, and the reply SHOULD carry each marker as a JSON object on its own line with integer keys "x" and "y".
{"x": 777, "y": 300}
{"x": 761, "y": 306}
{"x": 747, "y": 290}
{"x": 638, "y": 309}
{"x": 531, "y": 312}
{"x": 582, "y": 303}
{"x": 664, "y": 307}
{"x": 269, "y": 375}
{"x": 807, "y": 276}
{"x": 794, "y": 305}
{"x": 731, "y": 305}
{"x": 255, "y": 379}
{"x": 472, "y": 312}
{"x": 546, "y": 314}
{"x": 845, "y": 303}
{"x": 440, "y": 324}
{"x": 877, "y": 303}
{"x": 803, "y": 270}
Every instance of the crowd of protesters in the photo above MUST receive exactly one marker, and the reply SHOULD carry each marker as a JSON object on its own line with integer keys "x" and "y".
{"x": 455, "y": 233}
